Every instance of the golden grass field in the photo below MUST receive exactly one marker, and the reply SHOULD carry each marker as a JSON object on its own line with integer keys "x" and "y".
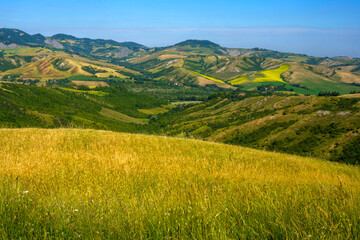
{"x": 88, "y": 184}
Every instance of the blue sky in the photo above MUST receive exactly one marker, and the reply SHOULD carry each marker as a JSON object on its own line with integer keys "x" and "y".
{"x": 317, "y": 27}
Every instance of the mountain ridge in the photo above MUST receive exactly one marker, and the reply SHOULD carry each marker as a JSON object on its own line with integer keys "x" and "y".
{"x": 40, "y": 39}
{"x": 188, "y": 63}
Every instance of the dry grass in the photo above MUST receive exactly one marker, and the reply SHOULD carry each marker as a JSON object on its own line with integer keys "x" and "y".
{"x": 69, "y": 184}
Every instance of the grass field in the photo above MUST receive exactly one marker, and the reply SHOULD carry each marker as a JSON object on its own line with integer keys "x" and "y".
{"x": 87, "y": 184}
{"x": 273, "y": 75}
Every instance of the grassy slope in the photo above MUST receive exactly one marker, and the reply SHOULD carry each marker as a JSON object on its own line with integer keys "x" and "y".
{"x": 24, "y": 51}
{"x": 44, "y": 69}
{"x": 207, "y": 64}
{"x": 28, "y": 106}
{"x": 41, "y": 64}
{"x": 252, "y": 71}
{"x": 316, "y": 126}
{"x": 88, "y": 184}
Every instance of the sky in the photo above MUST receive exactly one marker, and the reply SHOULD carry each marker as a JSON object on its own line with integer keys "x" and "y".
{"x": 312, "y": 27}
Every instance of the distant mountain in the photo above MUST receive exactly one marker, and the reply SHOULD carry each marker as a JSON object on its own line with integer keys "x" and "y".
{"x": 199, "y": 47}
{"x": 12, "y": 38}
{"x": 18, "y": 37}
{"x": 189, "y": 63}
{"x": 198, "y": 43}
{"x": 61, "y": 36}
{"x": 204, "y": 63}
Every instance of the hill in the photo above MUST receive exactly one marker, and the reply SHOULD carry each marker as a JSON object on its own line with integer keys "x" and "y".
{"x": 17, "y": 38}
{"x": 191, "y": 63}
{"x": 96, "y": 184}
{"x": 199, "y": 47}
{"x": 195, "y": 63}
{"x": 114, "y": 108}
{"x": 305, "y": 125}
{"x": 43, "y": 64}
{"x": 14, "y": 38}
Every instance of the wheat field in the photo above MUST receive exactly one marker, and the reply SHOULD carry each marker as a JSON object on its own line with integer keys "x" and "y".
{"x": 88, "y": 184}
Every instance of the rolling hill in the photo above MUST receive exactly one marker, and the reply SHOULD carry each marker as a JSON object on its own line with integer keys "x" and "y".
{"x": 14, "y": 38}
{"x": 104, "y": 185}
{"x": 65, "y": 183}
{"x": 188, "y": 63}
{"x": 200, "y": 63}
{"x": 114, "y": 108}
{"x": 305, "y": 125}
{"x": 43, "y": 64}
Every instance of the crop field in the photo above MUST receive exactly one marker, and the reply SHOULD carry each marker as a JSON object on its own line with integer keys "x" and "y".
{"x": 269, "y": 76}
{"x": 239, "y": 80}
{"x": 273, "y": 75}
{"x": 87, "y": 184}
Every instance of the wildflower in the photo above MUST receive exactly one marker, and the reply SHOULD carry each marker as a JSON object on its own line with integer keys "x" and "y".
{"x": 25, "y": 192}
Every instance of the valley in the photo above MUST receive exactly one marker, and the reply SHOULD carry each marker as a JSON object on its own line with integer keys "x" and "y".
{"x": 102, "y": 139}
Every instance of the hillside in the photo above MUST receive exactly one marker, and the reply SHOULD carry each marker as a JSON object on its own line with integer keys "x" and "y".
{"x": 191, "y": 63}
{"x": 14, "y": 38}
{"x": 199, "y": 64}
{"x": 96, "y": 184}
{"x": 43, "y": 64}
{"x": 111, "y": 108}
{"x": 305, "y": 125}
